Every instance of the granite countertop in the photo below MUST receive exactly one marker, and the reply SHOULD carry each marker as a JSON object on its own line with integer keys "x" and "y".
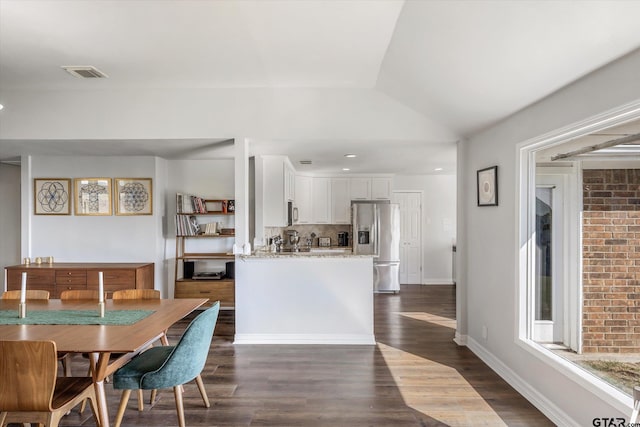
{"x": 314, "y": 253}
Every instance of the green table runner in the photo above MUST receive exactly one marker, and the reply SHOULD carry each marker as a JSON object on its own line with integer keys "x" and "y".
{"x": 73, "y": 317}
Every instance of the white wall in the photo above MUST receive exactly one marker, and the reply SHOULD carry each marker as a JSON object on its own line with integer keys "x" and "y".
{"x": 9, "y": 217}
{"x": 438, "y": 222}
{"x": 71, "y": 238}
{"x": 490, "y": 241}
{"x": 144, "y": 238}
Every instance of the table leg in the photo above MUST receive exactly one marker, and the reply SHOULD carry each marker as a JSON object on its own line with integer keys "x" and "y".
{"x": 99, "y": 362}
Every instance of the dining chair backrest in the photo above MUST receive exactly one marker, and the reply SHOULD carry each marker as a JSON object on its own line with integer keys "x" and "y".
{"x": 30, "y": 294}
{"x": 28, "y": 375}
{"x": 136, "y": 294}
{"x": 189, "y": 355}
{"x": 80, "y": 294}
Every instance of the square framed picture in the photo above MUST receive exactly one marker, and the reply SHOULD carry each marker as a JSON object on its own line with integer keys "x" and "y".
{"x": 488, "y": 186}
{"x": 134, "y": 196}
{"x": 92, "y": 196}
{"x": 52, "y": 196}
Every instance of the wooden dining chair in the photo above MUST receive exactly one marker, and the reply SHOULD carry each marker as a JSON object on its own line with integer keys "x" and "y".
{"x": 170, "y": 366}
{"x": 135, "y": 294}
{"x": 30, "y": 294}
{"x": 141, "y": 294}
{"x": 80, "y": 294}
{"x": 77, "y": 294}
{"x": 31, "y": 391}
{"x": 38, "y": 294}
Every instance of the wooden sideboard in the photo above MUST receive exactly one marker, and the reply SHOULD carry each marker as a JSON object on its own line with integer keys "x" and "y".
{"x": 58, "y": 277}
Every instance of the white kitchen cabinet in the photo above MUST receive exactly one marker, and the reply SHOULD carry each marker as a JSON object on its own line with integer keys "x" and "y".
{"x": 321, "y": 200}
{"x": 370, "y": 188}
{"x": 289, "y": 181}
{"x": 271, "y": 200}
{"x": 340, "y": 201}
{"x": 360, "y": 188}
{"x": 302, "y": 199}
{"x": 380, "y": 188}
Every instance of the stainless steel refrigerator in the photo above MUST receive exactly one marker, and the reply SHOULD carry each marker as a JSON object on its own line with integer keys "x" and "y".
{"x": 376, "y": 231}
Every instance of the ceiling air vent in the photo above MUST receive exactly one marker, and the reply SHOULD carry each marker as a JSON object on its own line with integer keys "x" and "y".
{"x": 84, "y": 71}
{"x": 305, "y": 162}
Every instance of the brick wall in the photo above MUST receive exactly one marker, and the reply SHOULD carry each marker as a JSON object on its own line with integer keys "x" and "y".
{"x": 611, "y": 261}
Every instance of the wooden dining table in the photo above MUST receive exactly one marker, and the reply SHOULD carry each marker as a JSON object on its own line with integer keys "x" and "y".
{"x": 101, "y": 341}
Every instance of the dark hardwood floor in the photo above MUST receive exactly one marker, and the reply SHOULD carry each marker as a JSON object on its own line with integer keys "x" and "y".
{"x": 415, "y": 376}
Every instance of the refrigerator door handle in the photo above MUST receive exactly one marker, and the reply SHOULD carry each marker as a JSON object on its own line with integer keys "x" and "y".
{"x": 376, "y": 232}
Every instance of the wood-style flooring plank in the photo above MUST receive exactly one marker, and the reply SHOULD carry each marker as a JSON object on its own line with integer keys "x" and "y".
{"x": 415, "y": 376}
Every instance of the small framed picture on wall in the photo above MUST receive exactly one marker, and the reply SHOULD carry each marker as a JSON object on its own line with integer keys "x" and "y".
{"x": 133, "y": 196}
{"x": 52, "y": 196}
{"x": 488, "y": 186}
{"x": 92, "y": 196}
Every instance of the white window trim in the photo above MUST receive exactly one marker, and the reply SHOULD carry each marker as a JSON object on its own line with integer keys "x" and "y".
{"x": 525, "y": 175}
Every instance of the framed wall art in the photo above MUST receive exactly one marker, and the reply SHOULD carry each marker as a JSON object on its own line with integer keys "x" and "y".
{"x": 52, "y": 196}
{"x": 488, "y": 186}
{"x": 134, "y": 196}
{"x": 92, "y": 196}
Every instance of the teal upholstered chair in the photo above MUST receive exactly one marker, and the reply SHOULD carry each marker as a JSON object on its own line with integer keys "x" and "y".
{"x": 170, "y": 366}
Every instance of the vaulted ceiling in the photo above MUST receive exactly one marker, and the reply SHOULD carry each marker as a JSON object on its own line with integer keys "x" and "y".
{"x": 398, "y": 81}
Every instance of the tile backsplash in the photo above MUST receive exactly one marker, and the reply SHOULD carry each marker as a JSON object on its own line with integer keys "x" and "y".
{"x": 321, "y": 230}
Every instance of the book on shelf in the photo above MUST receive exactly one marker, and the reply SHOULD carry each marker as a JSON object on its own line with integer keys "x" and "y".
{"x": 187, "y": 203}
{"x": 187, "y": 225}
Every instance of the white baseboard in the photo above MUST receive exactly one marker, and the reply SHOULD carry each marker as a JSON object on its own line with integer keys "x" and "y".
{"x": 537, "y": 399}
{"x": 337, "y": 339}
{"x": 460, "y": 339}
{"x": 448, "y": 281}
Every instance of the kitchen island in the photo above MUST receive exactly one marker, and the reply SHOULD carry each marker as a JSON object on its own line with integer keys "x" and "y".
{"x": 323, "y": 297}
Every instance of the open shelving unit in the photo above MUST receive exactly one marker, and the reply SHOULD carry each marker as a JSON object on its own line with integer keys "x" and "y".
{"x": 223, "y": 289}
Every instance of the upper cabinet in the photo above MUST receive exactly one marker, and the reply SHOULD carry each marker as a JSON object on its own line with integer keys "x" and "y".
{"x": 321, "y": 200}
{"x": 316, "y": 199}
{"x": 302, "y": 210}
{"x": 360, "y": 188}
{"x": 289, "y": 181}
{"x": 327, "y": 200}
{"x": 380, "y": 188}
{"x": 370, "y": 188}
{"x": 340, "y": 201}
{"x": 274, "y": 187}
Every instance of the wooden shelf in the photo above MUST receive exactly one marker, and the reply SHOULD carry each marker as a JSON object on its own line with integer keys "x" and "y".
{"x": 222, "y": 290}
{"x": 206, "y": 213}
{"x": 203, "y": 255}
{"x": 223, "y": 280}
{"x": 207, "y": 236}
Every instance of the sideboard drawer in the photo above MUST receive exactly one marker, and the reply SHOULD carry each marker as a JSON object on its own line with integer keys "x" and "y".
{"x": 115, "y": 277}
{"x": 71, "y": 277}
{"x": 61, "y": 288}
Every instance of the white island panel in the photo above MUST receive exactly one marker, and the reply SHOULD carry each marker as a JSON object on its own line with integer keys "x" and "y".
{"x": 304, "y": 300}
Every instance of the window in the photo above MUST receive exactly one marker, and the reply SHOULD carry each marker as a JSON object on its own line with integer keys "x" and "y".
{"x": 576, "y": 302}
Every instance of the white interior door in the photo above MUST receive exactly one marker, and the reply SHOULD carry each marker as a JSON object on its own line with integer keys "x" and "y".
{"x": 410, "y": 235}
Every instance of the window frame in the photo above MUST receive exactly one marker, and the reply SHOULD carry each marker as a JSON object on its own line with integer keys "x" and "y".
{"x": 525, "y": 248}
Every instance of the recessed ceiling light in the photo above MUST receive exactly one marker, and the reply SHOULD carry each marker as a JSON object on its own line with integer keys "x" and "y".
{"x": 350, "y": 155}
{"x": 437, "y": 169}
{"x": 1, "y": 106}
{"x": 346, "y": 169}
